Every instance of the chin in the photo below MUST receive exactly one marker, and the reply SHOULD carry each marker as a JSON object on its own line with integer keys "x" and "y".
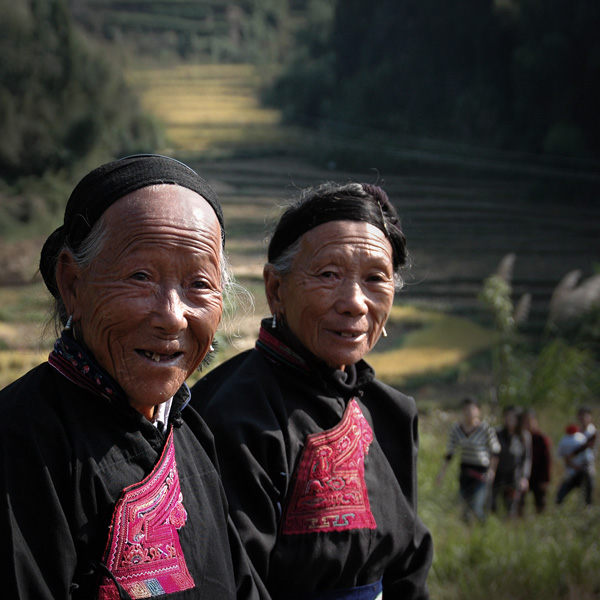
{"x": 151, "y": 395}
{"x": 337, "y": 362}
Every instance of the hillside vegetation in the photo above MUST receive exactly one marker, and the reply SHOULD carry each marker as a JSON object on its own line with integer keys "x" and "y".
{"x": 57, "y": 99}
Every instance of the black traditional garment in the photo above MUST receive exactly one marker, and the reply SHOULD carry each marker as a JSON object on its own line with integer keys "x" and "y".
{"x": 96, "y": 501}
{"x": 319, "y": 467}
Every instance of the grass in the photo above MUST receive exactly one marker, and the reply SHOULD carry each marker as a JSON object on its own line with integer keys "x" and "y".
{"x": 436, "y": 343}
{"x": 555, "y": 555}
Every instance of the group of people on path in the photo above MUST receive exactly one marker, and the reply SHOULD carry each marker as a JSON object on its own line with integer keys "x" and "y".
{"x": 290, "y": 471}
{"x": 500, "y": 466}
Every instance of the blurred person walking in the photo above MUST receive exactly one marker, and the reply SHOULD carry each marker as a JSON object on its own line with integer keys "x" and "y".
{"x": 541, "y": 463}
{"x": 479, "y": 449}
{"x": 514, "y": 463}
{"x": 587, "y": 427}
{"x": 574, "y": 448}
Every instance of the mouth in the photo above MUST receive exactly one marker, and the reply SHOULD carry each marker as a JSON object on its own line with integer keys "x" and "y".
{"x": 159, "y": 358}
{"x": 349, "y": 335}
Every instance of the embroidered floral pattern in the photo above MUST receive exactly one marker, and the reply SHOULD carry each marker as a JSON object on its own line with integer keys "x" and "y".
{"x": 143, "y": 551}
{"x": 330, "y": 493}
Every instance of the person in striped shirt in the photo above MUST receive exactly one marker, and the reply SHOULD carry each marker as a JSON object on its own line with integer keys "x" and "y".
{"x": 479, "y": 450}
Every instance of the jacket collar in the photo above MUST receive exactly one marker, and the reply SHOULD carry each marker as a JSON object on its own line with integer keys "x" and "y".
{"x": 74, "y": 361}
{"x": 280, "y": 346}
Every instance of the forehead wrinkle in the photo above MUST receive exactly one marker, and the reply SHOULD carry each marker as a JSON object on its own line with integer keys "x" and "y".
{"x": 165, "y": 209}
{"x": 349, "y": 245}
{"x": 203, "y": 239}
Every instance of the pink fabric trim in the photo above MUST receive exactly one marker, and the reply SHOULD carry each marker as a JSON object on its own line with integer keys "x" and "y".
{"x": 143, "y": 550}
{"x": 330, "y": 493}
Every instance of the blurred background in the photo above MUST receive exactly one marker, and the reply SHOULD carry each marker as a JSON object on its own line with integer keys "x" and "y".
{"x": 480, "y": 118}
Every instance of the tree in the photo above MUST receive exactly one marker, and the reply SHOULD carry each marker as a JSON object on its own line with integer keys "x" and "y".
{"x": 60, "y": 99}
{"x": 507, "y": 74}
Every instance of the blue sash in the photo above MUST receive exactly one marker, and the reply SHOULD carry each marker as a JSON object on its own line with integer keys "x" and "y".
{"x": 372, "y": 591}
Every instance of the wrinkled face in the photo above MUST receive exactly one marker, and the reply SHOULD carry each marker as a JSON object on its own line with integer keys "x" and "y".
{"x": 339, "y": 292}
{"x": 149, "y": 305}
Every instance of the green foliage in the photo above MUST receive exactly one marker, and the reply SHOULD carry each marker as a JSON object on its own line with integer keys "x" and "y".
{"x": 555, "y": 555}
{"x": 504, "y": 74}
{"x": 308, "y": 76}
{"x": 561, "y": 373}
{"x": 563, "y": 376}
{"x": 546, "y": 557}
{"x": 60, "y": 99}
{"x": 256, "y": 31}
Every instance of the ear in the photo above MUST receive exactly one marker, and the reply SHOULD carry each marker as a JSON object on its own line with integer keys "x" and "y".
{"x": 68, "y": 278}
{"x": 273, "y": 289}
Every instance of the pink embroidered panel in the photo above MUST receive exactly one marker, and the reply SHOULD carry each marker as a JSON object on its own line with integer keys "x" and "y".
{"x": 330, "y": 493}
{"x": 143, "y": 550}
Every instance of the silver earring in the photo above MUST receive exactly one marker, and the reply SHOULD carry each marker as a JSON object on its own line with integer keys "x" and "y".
{"x": 274, "y": 322}
{"x": 69, "y": 324}
{"x": 384, "y": 332}
{"x": 211, "y": 348}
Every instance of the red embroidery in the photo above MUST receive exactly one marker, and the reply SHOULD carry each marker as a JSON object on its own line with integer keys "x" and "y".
{"x": 143, "y": 551}
{"x": 329, "y": 492}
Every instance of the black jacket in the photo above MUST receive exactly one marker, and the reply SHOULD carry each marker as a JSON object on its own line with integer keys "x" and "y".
{"x": 66, "y": 455}
{"x": 262, "y": 406}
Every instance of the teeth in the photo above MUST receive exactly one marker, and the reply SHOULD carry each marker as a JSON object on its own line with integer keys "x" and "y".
{"x": 347, "y": 335}
{"x": 152, "y": 355}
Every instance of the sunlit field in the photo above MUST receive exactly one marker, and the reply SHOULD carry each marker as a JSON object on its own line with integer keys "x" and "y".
{"x": 436, "y": 342}
{"x": 208, "y": 108}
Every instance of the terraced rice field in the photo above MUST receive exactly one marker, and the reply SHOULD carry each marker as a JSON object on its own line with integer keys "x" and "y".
{"x": 458, "y": 226}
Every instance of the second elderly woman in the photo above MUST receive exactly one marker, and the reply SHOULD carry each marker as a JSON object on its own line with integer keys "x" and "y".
{"x": 106, "y": 487}
{"x": 318, "y": 457}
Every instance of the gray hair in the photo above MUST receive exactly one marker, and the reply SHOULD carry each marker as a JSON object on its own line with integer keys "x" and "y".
{"x": 90, "y": 250}
{"x": 283, "y": 264}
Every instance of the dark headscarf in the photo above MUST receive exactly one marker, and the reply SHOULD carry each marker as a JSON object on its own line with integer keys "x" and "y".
{"x": 102, "y": 187}
{"x": 333, "y": 202}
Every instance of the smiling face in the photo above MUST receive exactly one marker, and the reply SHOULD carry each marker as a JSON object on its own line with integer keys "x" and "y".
{"x": 339, "y": 291}
{"x": 149, "y": 305}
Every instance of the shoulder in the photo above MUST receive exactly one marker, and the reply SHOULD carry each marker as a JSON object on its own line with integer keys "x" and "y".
{"x": 393, "y": 398}
{"x": 389, "y": 408}
{"x": 224, "y": 395}
{"x": 31, "y": 397}
{"x": 237, "y": 377}
{"x": 393, "y": 416}
{"x": 485, "y": 426}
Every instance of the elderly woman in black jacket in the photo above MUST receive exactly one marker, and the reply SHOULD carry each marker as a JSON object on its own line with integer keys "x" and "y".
{"x": 106, "y": 487}
{"x": 319, "y": 457}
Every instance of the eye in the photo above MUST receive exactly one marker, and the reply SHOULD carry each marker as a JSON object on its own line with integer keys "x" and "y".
{"x": 327, "y": 274}
{"x": 140, "y": 276}
{"x": 200, "y": 284}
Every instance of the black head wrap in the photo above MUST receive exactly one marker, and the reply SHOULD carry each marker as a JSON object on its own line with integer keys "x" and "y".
{"x": 331, "y": 202}
{"x": 102, "y": 187}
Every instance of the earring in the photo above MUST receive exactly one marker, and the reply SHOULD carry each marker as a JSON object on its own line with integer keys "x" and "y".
{"x": 384, "y": 332}
{"x": 211, "y": 348}
{"x": 274, "y": 322}
{"x": 69, "y": 324}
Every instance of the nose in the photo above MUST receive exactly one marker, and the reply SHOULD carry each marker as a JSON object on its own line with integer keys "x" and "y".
{"x": 352, "y": 299}
{"x": 169, "y": 312}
